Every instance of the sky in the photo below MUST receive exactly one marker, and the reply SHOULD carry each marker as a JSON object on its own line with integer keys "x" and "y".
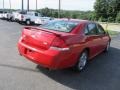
{"x": 82, "y": 5}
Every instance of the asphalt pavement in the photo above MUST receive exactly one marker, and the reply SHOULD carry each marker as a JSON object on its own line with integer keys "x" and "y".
{"x": 17, "y": 73}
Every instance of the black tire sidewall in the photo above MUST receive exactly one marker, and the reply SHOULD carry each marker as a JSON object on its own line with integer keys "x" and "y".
{"x": 106, "y": 50}
{"x": 27, "y": 22}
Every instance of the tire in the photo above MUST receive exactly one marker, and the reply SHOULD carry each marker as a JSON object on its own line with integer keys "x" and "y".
{"x": 19, "y": 22}
{"x": 107, "y": 47}
{"x": 12, "y": 19}
{"x": 28, "y": 22}
{"x": 82, "y": 61}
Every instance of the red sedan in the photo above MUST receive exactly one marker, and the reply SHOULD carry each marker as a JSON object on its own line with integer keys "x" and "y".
{"x": 63, "y": 43}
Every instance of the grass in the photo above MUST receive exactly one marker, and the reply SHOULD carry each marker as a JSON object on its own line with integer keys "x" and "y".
{"x": 113, "y": 33}
{"x": 112, "y": 28}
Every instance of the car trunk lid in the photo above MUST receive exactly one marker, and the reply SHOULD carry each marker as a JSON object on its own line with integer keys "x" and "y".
{"x": 38, "y": 38}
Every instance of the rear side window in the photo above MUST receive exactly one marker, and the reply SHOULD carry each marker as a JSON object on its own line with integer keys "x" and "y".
{"x": 92, "y": 29}
{"x": 86, "y": 31}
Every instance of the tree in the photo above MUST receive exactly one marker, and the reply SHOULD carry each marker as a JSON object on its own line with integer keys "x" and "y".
{"x": 118, "y": 18}
{"x": 107, "y": 9}
{"x": 100, "y": 9}
{"x": 89, "y": 15}
{"x": 46, "y": 11}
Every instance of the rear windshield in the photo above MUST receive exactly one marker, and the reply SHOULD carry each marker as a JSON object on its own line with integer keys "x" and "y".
{"x": 60, "y": 25}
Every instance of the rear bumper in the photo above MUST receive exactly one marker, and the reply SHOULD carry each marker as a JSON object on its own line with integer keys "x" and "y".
{"x": 46, "y": 58}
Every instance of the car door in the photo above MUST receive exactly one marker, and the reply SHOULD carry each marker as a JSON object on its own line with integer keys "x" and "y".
{"x": 103, "y": 35}
{"x": 92, "y": 38}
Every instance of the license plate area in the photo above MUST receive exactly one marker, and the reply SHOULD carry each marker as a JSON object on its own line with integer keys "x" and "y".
{"x": 28, "y": 51}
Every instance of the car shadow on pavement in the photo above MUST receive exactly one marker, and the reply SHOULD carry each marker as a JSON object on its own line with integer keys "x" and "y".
{"x": 101, "y": 73}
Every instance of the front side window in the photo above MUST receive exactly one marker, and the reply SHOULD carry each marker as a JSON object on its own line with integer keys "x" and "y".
{"x": 100, "y": 29}
{"x": 92, "y": 29}
{"x": 60, "y": 25}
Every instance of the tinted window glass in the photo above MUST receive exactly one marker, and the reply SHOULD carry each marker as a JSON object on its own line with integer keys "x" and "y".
{"x": 86, "y": 31}
{"x": 36, "y": 14}
{"x": 100, "y": 29}
{"x": 92, "y": 29}
{"x": 1, "y": 11}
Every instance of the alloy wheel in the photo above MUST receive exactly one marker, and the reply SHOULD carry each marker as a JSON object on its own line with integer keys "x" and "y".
{"x": 82, "y": 61}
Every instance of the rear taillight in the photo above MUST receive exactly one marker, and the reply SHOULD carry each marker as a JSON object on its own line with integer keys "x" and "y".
{"x": 59, "y": 44}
